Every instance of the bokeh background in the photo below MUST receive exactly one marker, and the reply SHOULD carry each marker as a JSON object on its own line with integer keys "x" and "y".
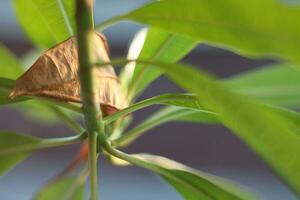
{"x": 209, "y": 148}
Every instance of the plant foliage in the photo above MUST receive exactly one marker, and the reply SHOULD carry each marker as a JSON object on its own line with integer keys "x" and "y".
{"x": 258, "y": 106}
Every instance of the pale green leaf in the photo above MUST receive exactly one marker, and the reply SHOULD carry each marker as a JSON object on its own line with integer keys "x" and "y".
{"x": 193, "y": 184}
{"x": 255, "y": 27}
{"x": 65, "y": 188}
{"x": 275, "y": 84}
{"x": 268, "y": 133}
{"x": 46, "y": 22}
{"x": 186, "y": 108}
{"x": 134, "y": 51}
{"x": 190, "y": 183}
{"x": 9, "y": 64}
{"x": 159, "y": 45}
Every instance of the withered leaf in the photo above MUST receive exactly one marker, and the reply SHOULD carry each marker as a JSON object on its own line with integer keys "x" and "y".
{"x": 55, "y": 75}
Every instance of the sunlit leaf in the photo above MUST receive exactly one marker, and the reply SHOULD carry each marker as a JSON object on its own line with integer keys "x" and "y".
{"x": 134, "y": 51}
{"x": 253, "y": 27}
{"x": 274, "y": 84}
{"x": 46, "y": 22}
{"x": 190, "y": 183}
{"x": 159, "y": 45}
{"x": 8, "y": 141}
{"x": 193, "y": 184}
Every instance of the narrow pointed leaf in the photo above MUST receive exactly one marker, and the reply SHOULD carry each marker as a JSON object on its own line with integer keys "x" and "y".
{"x": 10, "y": 140}
{"x": 273, "y": 30}
{"x": 66, "y": 188}
{"x": 276, "y": 84}
{"x": 186, "y": 108}
{"x": 16, "y": 147}
{"x": 265, "y": 131}
{"x": 168, "y": 114}
{"x": 46, "y": 22}
{"x": 190, "y": 183}
{"x": 193, "y": 184}
{"x": 158, "y": 46}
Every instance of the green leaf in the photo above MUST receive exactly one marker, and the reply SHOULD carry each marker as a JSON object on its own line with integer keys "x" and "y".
{"x": 15, "y": 147}
{"x": 190, "y": 183}
{"x": 186, "y": 108}
{"x": 183, "y": 100}
{"x": 168, "y": 114}
{"x": 230, "y": 24}
{"x": 46, "y": 22}
{"x": 158, "y": 46}
{"x": 269, "y": 134}
{"x": 134, "y": 50}
{"x": 10, "y": 140}
{"x": 6, "y": 86}
{"x": 66, "y": 188}
{"x": 9, "y": 64}
{"x": 193, "y": 184}
{"x": 275, "y": 84}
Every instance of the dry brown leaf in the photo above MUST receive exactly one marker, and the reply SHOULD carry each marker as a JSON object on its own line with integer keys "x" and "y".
{"x": 55, "y": 75}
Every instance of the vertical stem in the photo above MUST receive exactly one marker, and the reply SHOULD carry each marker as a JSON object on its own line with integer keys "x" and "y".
{"x": 91, "y": 105}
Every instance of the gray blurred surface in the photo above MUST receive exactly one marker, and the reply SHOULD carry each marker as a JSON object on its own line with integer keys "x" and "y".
{"x": 209, "y": 148}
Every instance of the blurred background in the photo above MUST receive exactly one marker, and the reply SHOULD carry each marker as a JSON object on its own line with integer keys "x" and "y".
{"x": 209, "y": 148}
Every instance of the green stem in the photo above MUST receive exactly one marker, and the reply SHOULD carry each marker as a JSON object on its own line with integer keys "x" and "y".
{"x": 91, "y": 105}
{"x": 162, "y": 99}
{"x": 133, "y": 159}
{"x": 45, "y": 143}
{"x": 153, "y": 121}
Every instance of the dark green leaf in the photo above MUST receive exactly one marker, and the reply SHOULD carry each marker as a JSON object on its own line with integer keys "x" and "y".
{"x": 10, "y": 140}
{"x": 159, "y": 46}
{"x": 69, "y": 188}
{"x": 253, "y": 27}
{"x": 46, "y": 22}
{"x": 275, "y": 84}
